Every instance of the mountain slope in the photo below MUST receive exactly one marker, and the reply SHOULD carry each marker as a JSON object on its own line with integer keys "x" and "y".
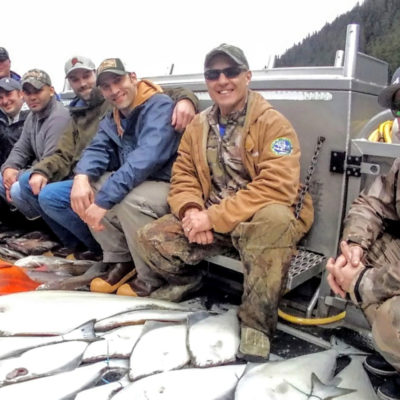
{"x": 379, "y": 36}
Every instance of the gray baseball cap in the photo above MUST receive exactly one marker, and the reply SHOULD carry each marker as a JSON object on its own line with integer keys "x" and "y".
{"x": 9, "y": 84}
{"x": 78, "y": 62}
{"x": 37, "y": 78}
{"x": 232, "y": 52}
{"x": 385, "y": 97}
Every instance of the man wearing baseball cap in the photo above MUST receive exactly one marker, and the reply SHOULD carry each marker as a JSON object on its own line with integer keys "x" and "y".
{"x": 144, "y": 151}
{"x": 12, "y": 117}
{"x": 367, "y": 269}
{"x": 51, "y": 177}
{"x": 5, "y": 66}
{"x": 234, "y": 185}
{"x": 43, "y": 126}
{"x": 5, "y": 71}
{"x": 86, "y": 110}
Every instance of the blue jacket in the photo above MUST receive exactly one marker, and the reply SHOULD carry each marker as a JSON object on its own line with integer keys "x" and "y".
{"x": 146, "y": 150}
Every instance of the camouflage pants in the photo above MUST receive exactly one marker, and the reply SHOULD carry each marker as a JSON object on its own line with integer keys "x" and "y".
{"x": 266, "y": 245}
{"x": 385, "y": 317}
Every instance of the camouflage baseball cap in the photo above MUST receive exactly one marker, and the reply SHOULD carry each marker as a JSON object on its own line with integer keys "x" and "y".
{"x": 37, "y": 78}
{"x": 9, "y": 84}
{"x": 232, "y": 52}
{"x": 4, "y": 54}
{"x": 385, "y": 97}
{"x": 113, "y": 65}
{"x": 78, "y": 62}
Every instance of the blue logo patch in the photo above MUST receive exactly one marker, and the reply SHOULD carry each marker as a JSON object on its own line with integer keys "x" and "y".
{"x": 282, "y": 146}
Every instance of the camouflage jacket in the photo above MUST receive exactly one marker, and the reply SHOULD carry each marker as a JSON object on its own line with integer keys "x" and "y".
{"x": 270, "y": 152}
{"x": 376, "y": 209}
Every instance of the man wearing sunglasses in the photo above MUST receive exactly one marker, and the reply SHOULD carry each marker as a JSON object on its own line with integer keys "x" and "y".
{"x": 234, "y": 184}
{"x": 368, "y": 266}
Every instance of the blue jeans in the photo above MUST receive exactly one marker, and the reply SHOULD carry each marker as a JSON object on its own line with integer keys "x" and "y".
{"x": 53, "y": 204}
{"x": 17, "y": 199}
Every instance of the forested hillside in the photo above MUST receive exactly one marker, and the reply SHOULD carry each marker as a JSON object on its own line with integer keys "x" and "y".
{"x": 379, "y": 22}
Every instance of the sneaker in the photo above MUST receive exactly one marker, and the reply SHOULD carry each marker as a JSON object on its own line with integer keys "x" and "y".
{"x": 377, "y": 365}
{"x": 117, "y": 275}
{"x": 254, "y": 345}
{"x": 177, "y": 292}
{"x": 390, "y": 390}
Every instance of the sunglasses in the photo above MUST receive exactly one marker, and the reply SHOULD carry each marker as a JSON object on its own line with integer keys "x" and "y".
{"x": 230, "y": 72}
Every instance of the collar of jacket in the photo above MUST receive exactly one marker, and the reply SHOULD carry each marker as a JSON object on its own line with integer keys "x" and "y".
{"x": 22, "y": 117}
{"x": 43, "y": 114}
{"x": 96, "y": 98}
{"x": 256, "y": 106}
{"x": 3, "y": 117}
{"x": 145, "y": 90}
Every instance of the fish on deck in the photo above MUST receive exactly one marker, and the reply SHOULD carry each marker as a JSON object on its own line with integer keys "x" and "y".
{"x": 103, "y": 392}
{"x": 11, "y": 346}
{"x": 214, "y": 383}
{"x": 42, "y": 361}
{"x": 60, "y": 386}
{"x": 213, "y": 339}
{"x": 298, "y": 378}
{"x": 55, "y": 312}
{"x": 162, "y": 347}
{"x": 117, "y": 343}
{"x": 140, "y": 317}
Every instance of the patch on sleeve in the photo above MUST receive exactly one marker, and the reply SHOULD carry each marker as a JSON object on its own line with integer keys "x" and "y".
{"x": 282, "y": 146}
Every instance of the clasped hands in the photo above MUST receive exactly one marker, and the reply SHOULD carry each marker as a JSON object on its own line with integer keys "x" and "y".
{"x": 82, "y": 202}
{"x": 345, "y": 268}
{"x": 197, "y": 226}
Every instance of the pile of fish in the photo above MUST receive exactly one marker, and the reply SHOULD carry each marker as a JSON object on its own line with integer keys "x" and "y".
{"x": 81, "y": 345}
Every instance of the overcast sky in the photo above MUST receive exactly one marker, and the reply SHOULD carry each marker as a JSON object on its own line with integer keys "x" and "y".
{"x": 150, "y": 35}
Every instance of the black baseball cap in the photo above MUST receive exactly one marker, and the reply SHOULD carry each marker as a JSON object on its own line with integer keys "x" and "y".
{"x": 4, "y": 54}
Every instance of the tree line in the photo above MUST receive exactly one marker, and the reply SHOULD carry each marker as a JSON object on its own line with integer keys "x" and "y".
{"x": 379, "y": 37}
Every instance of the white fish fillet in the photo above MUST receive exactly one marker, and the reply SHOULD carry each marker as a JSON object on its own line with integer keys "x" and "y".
{"x": 355, "y": 377}
{"x": 56, "y": 387}
{"x": 286, "y": 379}
{"x": 214, "y": 340}
{"x": 103, "y": 392}
{"x": 162, "y": 347}
{"x": 42, "y": 361}
{"x": 54, "y": 312}
{"x": 140, "y": 317}
{"x": 117, "y": 343}
{"x": 11, "y": 346}
{"x": 215, "y": 383}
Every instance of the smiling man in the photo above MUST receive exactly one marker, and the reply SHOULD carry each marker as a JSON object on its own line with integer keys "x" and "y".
{"x": 43, "y": 126}
{"x": 122, "y": 179}
{"x": 5, "y": 66}
{"x": 48, "y": 186}
{"x": 234, "y": 184}
{"x": 12, "y": 117}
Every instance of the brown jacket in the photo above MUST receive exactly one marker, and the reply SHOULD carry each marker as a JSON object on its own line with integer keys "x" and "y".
{"x": 275, "y": 177}
{"x": 375, "y": 216}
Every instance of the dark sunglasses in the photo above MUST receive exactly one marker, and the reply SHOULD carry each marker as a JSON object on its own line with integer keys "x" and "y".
{"x": 230, "y": 72}
{"x": 395, "y": 107}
